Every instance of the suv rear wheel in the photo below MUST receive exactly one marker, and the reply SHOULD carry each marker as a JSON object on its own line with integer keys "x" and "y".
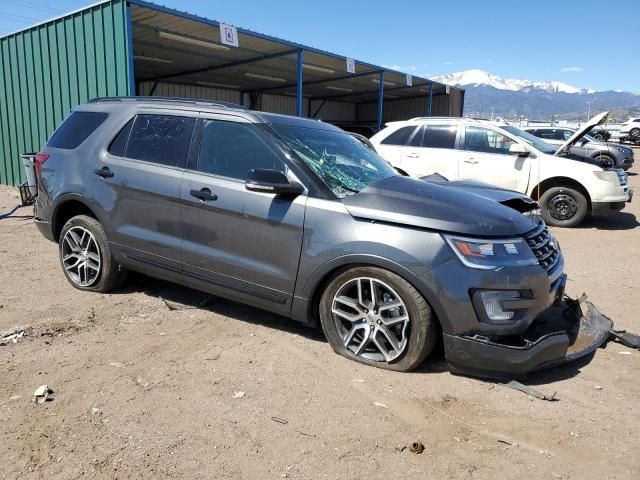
{"x": 375, "y": 317}
{"x": 85, "y": 256}
{"x": 563, "y": 207}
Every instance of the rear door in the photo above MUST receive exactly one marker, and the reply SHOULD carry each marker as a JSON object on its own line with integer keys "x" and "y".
{"x": 239, "y": 244}
{"x": 392, "y": 147}
{"x": 486, "y": 158}
{"x": 140, "y": 179}
{"x": 432, "y": 149}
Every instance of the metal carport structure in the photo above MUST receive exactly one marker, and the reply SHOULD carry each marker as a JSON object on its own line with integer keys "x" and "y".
{"x": 135, "y": 47}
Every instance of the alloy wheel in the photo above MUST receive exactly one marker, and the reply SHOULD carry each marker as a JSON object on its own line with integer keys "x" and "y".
{"x": 371, "y": 318}
{"x": 562, "y": 206}
{"x": 81, "y": 256}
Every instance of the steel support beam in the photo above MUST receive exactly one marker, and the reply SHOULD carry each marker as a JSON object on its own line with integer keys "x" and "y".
{"x": 430, "y": 107}
{"x": 318, "y": 109}
{"x": 299, "y": 83}
{"x": 365, "y": 92}
{"x": 213, "y": 68}
{"x": 153, "y": 88}
{"x": 380, "y": 99}
{"x": 129, "y": 33}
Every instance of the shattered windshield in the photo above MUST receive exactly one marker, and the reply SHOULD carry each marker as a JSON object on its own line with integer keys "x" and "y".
{"x": 344, "y": 164}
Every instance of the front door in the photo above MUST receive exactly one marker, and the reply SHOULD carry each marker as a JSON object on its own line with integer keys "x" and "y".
{"x": 487, "y": 159}
{"x": 239, "y": 244}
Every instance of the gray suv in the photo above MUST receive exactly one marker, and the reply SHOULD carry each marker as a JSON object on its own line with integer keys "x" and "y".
{"x": 296, "y": 217}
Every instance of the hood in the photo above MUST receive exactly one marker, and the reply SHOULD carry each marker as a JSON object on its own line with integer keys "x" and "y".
{"x": 416, "y": 203}
{"x": 509, "y": 198}
{"x": 581, "y": 132}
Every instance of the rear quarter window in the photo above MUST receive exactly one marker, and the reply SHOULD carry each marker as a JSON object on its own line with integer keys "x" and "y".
{"x": 76, "y": 129}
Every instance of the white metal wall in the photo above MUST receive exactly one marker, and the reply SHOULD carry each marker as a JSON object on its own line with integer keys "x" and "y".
{"x": 404, "y": 109}
{"x": 331, "y": 111}
{"x": 189, "y": 91}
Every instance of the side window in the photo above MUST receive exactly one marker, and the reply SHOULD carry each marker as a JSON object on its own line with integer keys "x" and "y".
{"x": 440, "y": 136}
{"x": 162, "y": 139}
{"x": 76, "y": 129}
{"x": 548, "y": 134}
{"x": 118, "y": 146}
{"x": 416, "y": 140}
{"x": 231, "y": 149}
{"x": 399, "y": 137}
{"x": 566, "y": 134}
{"x": 478, "y": 139}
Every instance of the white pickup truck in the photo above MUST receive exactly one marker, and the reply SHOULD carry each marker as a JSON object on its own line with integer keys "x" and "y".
{"x": 568, "y": 187}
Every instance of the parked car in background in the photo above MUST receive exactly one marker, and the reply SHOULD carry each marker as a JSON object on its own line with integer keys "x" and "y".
{"x": 296, "y": 217}
{"x": 600, "y": 134}
{"x": 612, "y": 154}
{"x": 631, "y": 128}
{"x": 568, "y": 187}
{"x": 510, "y": 198}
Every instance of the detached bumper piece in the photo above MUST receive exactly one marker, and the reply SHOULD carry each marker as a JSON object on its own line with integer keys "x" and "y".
{"x": 559, "y": 335}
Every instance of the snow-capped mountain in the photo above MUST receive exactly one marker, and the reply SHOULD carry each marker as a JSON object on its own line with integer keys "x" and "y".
{"x": 477, "y": 77}
{"x": 506, "y": 97}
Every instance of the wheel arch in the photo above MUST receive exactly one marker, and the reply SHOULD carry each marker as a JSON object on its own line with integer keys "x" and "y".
{"x": 548, "y": 183}
{"x": 66, "y": 207}
{"x": 308, "y": 311}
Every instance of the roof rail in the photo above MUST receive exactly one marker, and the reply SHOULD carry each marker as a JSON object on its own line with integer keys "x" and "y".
{"x": 442, "y": 117}
{"x": 195, "y": 101}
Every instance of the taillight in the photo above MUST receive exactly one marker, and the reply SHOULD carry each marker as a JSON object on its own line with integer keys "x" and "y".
{"x": 38, "y": 160}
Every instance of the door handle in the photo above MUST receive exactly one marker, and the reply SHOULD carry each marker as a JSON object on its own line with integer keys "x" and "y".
{"x": 204, "y": 194}
{"x": 413, "y": 155}
{"x": 470, "y": 160}
{"x": 103, "y": 172}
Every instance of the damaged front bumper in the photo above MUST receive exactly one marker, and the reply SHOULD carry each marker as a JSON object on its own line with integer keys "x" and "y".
{"x": 558, "y": 335}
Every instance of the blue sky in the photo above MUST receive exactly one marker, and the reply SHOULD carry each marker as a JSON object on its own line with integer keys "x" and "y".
{"x": 576, "y": 42}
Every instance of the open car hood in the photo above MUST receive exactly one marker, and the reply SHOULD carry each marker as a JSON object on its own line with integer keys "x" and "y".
{"x": 424, "y": 204}
{"x": 581, "y": 132}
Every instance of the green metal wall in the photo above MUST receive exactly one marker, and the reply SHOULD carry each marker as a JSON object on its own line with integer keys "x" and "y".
{"x": 49, "y": 69}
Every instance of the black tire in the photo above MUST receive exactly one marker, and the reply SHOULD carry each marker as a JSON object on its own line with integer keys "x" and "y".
{"x": 635, "y": 132}
{"x": 608, "y": 160}
{"x": 599, "y": 137}
{"x": 563, "y": 206}
{"x": 110, "y": 275}
{"x": 422, "y": 327}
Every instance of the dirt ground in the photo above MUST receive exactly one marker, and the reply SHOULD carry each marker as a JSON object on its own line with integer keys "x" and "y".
{"x": 145, "y": 392}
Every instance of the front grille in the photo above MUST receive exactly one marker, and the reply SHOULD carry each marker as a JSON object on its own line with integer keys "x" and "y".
{"x": 546, "y": 251}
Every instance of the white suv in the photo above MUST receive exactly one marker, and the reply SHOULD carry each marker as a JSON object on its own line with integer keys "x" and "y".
{"x": 568, "y": 187}
{"x": 631, "y": 128}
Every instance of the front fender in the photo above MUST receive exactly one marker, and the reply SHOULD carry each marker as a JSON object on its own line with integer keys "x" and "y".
{"x": 305, "y": 303}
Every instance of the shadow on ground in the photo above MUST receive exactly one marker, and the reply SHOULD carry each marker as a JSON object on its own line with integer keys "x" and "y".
{"x": 194, "y": 299}
{"x": 616, "y": 221}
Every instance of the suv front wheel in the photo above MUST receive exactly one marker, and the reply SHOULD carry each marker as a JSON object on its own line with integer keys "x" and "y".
{"x": 85, "y": 256}
{"x": 377, "y": 318}
{"x": 563, "y": 207}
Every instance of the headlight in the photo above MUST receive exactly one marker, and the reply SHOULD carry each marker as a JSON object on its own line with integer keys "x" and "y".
{"x": 626, "y": 151}
{"x": 491, "y": 254}
{"x": 607, "y": 176}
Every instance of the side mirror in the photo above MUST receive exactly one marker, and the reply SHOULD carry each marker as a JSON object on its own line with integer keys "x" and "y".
{"x": 272, "y": 181}
{"x": 519, "y": 150}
